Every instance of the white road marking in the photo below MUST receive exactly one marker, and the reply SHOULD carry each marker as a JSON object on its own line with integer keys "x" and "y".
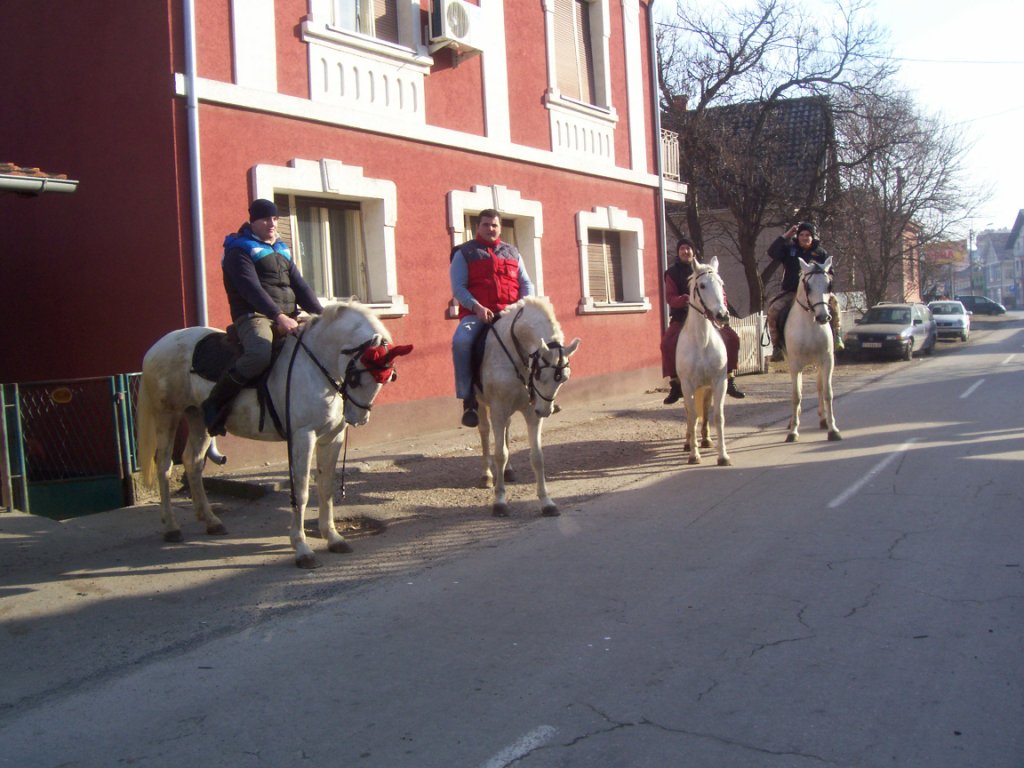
{"x": 970, "y": 390}
{"x": 842, "y": 497}
{"x": 535, "y": 738}
{"x": 1008, "y": 359}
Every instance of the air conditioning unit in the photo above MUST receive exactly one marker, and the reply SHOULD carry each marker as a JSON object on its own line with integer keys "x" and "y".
{"x": 455, "y": 24}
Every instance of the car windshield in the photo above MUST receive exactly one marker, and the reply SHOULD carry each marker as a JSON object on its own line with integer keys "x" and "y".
{"x": 889, "y": 315}
{"x": 946, "y": 309}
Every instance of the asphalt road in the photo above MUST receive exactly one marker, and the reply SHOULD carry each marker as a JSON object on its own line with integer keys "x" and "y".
{"x": 855, "y": 603}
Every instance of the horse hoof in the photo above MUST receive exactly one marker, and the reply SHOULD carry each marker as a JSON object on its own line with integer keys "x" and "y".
{"x": 834, "y": 435}
{"x": 686, "y": 447}
{"x": 725, "y": 462}
{"x": 307, "y": 562}
{"x": 791, "y": 438}
{"x": 485, "y": 482}
{"x": 173, "y": 537}
{"x": 340, "y": 547}
{"x": 216, "y": 530}
{"x": 705, "y": 443}
{"x": 510, "y": 475}
{"x": 693, "y": 460}
{"x": 500, "y": 510}
{"x": 550, "y": 511}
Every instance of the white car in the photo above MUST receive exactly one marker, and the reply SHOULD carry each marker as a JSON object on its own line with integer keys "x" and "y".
{"x": 952, "y": 320}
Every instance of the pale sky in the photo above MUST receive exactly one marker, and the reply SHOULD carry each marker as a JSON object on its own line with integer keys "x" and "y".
{"x": 941, "y": 45}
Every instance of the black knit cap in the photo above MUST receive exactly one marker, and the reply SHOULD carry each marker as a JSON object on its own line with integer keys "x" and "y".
{"x": 261, "y": 209}
{"x": 807, "y": 226}
{"x": 684, "y": 240}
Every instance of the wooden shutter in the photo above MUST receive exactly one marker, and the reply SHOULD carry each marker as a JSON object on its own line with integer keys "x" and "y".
{"x": 604, "y": 266}
{"x": 574, "y": 59}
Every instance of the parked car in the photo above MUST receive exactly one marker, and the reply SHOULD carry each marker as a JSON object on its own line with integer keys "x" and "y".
{"x": 899, "y": 330}
{"x": 981, "y": 305}
{"x": 952, "y": 320}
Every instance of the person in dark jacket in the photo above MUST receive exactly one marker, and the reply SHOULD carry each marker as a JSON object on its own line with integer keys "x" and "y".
{"x": 677, "y": 296}
{"x": 486, "y": 276}
{"x": 265, "y": 291}
{"x": 798, "y": 242}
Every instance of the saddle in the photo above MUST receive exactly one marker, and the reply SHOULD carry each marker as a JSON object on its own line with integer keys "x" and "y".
{"x": 217, "y": 352}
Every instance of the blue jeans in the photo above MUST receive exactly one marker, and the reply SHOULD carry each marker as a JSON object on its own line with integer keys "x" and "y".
{"x": 465, "y": 335}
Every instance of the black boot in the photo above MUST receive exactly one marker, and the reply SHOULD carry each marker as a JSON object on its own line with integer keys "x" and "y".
{"x": 469, "y": 414}
{"x": 216, "y": 406}
{"x": 731, "y": 391}
{"x": 674, "y": 392}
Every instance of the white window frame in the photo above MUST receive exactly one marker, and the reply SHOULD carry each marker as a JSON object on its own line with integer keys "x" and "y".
{"x": 528, "y": 215}
{"x": 631, "y": 244}
{"x": 378, "y": 202}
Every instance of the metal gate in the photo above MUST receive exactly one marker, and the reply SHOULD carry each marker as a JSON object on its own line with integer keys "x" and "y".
{"x": 69, "y": 446}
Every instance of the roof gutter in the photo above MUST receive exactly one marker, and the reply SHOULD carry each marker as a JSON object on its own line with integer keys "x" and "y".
{"x": 195, "y": 174}
{"x": 35, "y": 185}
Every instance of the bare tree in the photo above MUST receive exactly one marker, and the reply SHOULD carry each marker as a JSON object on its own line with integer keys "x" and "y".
{"x": 757, "y": 56}
{"x": 904, "y": 186}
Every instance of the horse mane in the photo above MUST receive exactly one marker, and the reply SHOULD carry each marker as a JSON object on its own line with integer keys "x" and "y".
{"x": 542, "y": 306}
{"x": 350, "y": 309}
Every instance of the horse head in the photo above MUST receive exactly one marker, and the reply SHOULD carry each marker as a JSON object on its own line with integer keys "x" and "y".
{"x": 549, "y": 370}
{"x": 707, "y": 293}
{"x": 816, "y": 286}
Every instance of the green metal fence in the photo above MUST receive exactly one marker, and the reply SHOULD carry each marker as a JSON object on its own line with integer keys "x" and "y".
{"x": 69, "y": 446}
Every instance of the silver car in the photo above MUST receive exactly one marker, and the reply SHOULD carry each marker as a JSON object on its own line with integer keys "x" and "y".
{"x": 952, "y": 320}
{"x": 898, "y": 330}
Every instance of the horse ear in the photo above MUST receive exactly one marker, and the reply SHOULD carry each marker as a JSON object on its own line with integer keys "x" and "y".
{"x": 571, "y": 346}
{"x": 827, "y": 266}
{"x": 804, "y": 265}
{"x": 713, "y": 263}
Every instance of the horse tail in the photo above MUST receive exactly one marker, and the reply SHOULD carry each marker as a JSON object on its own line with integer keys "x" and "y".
{"x": 145, "y": 422}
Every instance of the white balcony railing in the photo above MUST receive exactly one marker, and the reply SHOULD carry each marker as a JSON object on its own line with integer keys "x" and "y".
{"x": 670, "y": 154}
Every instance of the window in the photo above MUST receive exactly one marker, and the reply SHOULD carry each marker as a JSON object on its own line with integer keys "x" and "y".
{"x": 340, "y": 226}
{"x": 508, "y": 229}
{"x": 327, "y": 240}
{"x": 574, "y": 50}
{"x": 604, "y": 266}
{"x": 373, "y": 18}
{"x": 611, "y": 247}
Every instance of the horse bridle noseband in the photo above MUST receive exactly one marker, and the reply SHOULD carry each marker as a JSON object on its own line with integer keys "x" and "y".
{"x": 704, "y": 270}
{"x": 533, "y": 362}
{"x": 818, "y": 270}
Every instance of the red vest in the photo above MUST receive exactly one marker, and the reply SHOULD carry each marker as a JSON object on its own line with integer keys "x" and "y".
{"x": 493, "y": 275}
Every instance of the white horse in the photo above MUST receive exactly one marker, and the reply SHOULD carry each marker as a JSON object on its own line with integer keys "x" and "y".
{"x": 808, "y": 341}
{"x": 324, "y": 379}
{"x": 525, "y": 363}
{"x": 701, "y": 360}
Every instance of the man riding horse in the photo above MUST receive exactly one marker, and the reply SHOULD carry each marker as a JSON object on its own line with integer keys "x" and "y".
{"x": 263, "y": 286}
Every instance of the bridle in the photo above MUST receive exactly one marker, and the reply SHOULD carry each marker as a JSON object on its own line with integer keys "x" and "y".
{"x": 805, "y": 281}
{"x": 695, "y": 289}
{"x": 533, "y": 362}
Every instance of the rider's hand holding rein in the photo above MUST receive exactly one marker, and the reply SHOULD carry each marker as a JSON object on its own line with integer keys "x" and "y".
{"x": 286, "y": 325}
{"x": 483, "y": 313}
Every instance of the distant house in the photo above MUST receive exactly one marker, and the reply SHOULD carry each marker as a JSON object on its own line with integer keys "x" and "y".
{"x": 1014, "y": 253}
{"x": 381, "y": 130}
{"x": 997, "y": 267}
{"x": 793, "y": 144}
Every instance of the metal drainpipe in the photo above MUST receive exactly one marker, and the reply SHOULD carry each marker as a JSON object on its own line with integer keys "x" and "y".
{"x": 195, "y": 175}
{"x": 655, "y": 97}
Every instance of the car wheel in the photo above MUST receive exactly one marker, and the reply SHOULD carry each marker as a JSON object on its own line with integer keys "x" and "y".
{"x": 908, "y": 353}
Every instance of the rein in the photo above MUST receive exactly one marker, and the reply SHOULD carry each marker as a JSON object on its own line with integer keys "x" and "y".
{"x": 703, "y": 305}
{"x": 532, "y": 362}
{"x": 804, "y": 279}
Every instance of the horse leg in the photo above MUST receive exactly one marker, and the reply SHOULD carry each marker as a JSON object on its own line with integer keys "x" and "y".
{"x": 691, "y": 427}
{"x": 299, "y": 460}
{"x": 165, "y": 431}
{"x": 705, "y": 422}
{"x": 509, "y": 474}
{"x": 487, "y": 478}
{"x": 828, "y": 420}
{"x": 193, "y": 458}
{"x": 794, "y": 422}
{"x": 723, "y": 454}
{"x": 534, "y": 428}
{"x": 500, "y": 425}
{"x": 328, "y": 449}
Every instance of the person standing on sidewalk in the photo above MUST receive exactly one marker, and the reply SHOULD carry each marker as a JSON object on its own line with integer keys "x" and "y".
{"x": 265, "y": 291}
{"x": 486, "y": 276}
{"x": 677, "y": 296}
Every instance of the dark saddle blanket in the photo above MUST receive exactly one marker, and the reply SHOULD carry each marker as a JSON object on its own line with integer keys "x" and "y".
{"x": 218, "y": 350}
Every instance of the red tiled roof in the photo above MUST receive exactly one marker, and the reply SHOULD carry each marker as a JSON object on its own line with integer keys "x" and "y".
{"x": 10, "y": 169}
